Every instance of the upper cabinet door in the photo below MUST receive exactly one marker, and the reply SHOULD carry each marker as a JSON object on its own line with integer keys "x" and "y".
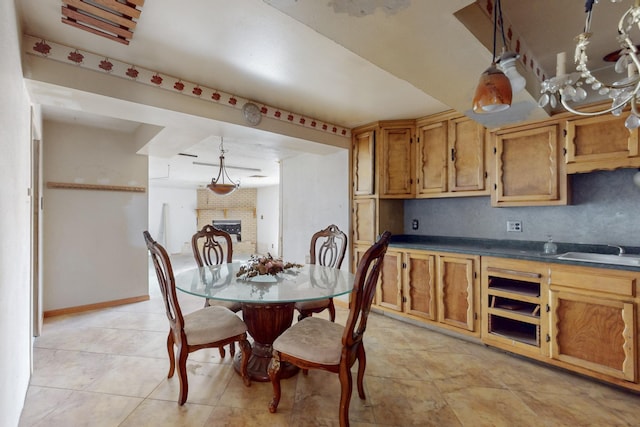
{"x": 431, "y": 158}
{"x": 528, "y": 167}
{"x": 396, "y": 162}
{"x": 363, "y": 163}
{"x": 601, "y": 142}
{"x": 467, "y": 152}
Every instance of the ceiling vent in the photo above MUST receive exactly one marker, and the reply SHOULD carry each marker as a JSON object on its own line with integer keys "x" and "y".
{"x": 112, "y": 19}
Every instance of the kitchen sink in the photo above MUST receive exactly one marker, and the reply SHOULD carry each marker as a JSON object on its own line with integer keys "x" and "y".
{"x": 625, "y": 259}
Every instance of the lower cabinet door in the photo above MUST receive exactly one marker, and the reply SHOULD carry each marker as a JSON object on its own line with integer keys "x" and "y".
{"x": 455, "y": 292}
{"x": 594, "y": 333}
{"x": 419, "y": 285}
{"x": 389, "y": 291}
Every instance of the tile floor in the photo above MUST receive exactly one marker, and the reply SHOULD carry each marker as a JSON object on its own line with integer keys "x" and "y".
{"x": 108, "y": 368}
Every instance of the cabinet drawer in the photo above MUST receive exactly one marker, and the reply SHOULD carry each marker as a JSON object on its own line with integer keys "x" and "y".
{"x": 586, "y": 280}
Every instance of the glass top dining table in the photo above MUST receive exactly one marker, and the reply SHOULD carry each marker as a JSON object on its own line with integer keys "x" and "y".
{"x": 267, "y": 301}
{"x": 221, "y": 282}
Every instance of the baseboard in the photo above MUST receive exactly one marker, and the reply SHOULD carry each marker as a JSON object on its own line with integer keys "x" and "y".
{"x": 96, "y": 306}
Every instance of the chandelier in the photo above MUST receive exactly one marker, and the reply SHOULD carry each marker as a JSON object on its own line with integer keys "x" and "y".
{"x": 223, "y": 185}
{"x": 565, "y": 88}
{"x": 501, "y": 80}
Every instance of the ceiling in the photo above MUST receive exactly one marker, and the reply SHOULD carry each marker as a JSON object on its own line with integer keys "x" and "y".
{"x": 347, "y": 62}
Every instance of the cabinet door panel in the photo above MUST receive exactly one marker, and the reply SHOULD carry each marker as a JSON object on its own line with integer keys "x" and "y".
{"x": 527, "y": 165}
{"x": 389, "y": 284}
{"x": 363, "y": 163}
{"x": 364, "y": 221}
{"x": 396, "y": 167}
{"x": 455, "y": 287}
{"x": 466, "y": 150}
{"x": 420, "y": 285}
{"x": 597, "y": 138}
{"x": 594, "y": 333}
{"x": 431, "y": 161}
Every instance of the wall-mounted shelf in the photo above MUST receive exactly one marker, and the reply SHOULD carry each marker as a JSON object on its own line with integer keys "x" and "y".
{"x": 76, "y": 186}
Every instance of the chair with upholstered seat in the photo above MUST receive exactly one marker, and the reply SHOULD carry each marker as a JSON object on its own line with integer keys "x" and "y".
{"x": 208, "y": 327}
{"x": 328, "y": 247}
{"x": 316, "y": 343}
{"x": 207, "y": 250}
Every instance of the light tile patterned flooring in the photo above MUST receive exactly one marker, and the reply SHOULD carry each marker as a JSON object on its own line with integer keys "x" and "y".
{"x": 108, "y": 368}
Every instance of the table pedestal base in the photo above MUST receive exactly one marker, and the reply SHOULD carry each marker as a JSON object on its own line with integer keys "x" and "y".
{"x": 265, "y": 322}
{"x": 258, "y": 365}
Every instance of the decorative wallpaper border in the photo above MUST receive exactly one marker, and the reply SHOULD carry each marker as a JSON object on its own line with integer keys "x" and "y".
{"x": 69, "y": 55}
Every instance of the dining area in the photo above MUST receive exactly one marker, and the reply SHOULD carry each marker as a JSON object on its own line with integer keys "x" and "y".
{"x": 110, "y": 366}
{"x": 267, "y": 291}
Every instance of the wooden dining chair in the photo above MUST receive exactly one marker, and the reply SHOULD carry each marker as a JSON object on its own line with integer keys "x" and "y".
{"x": 207, "y": 250}
{"x": 328, "y": 247}
{"x": 207, "y": 327}
{"x": 316, "y": 343}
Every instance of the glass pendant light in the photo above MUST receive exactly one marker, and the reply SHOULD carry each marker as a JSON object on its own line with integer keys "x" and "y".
{"x": 493, "y": 92}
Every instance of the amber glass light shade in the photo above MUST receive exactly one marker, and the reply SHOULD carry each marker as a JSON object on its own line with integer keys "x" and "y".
{"x": 493, "y": 93}
{"x": 222, "y": 189}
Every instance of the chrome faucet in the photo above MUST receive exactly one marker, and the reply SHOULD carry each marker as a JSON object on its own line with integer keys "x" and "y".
{"x": 620, "y": 249}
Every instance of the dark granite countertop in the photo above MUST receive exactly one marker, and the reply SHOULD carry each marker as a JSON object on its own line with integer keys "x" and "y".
{"x": 515, "y": 249}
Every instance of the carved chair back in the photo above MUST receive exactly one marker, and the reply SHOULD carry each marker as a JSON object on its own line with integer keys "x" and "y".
{"x": 167, "y": 283}
{"x": 207, "y": 249}
{"x": 328, "y": 247}
{"x": 364, "y": 288}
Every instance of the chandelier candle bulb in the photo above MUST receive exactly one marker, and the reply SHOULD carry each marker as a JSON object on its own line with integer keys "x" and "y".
{"x": 561, "y": 64}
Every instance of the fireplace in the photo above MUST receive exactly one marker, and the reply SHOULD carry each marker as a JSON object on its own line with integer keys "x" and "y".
{"x": 231, "y": 226}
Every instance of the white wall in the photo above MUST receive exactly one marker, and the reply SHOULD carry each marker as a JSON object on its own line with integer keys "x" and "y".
{"x": 315, "y": 194}
{"x": 268, "y": 213}
{"x": 181, "y": 221}
{"x": 15, "y": 306}
{"x": 93, "y": 245}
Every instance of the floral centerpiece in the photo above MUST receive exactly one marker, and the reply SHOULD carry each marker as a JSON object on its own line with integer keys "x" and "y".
{"x": 261, "y": 265}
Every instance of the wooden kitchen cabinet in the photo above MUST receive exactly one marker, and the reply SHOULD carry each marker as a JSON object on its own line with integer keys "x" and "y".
{"x": 437, "y": 288}
{"x": 593, "y": 320}
{"x": 389, "y": 290}
{"x": 370, "y": 217}
{"x": 419, "y": 285}
{"x": 431, "y": 158}
{"x": 528, "y": 167}
{"x": 513, "y": 302}
{"x": 458, "y": 291}
{"x": 601, "y": 142}
{"x": 467, "y": 155}
{"x": 364, "y": 220}
{"x": 363, "y": 162}
{"x": 395, "y": 160}
{"x": 450, "y": 157}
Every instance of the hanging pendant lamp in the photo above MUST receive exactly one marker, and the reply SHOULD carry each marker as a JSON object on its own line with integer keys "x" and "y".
{"x": 223, "y": 185}
{"x": 494, "y": 92}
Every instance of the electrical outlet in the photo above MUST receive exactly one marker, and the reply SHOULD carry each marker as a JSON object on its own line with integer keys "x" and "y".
{"x": 514, "y": 226}
{"x": 414, "y": 224}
